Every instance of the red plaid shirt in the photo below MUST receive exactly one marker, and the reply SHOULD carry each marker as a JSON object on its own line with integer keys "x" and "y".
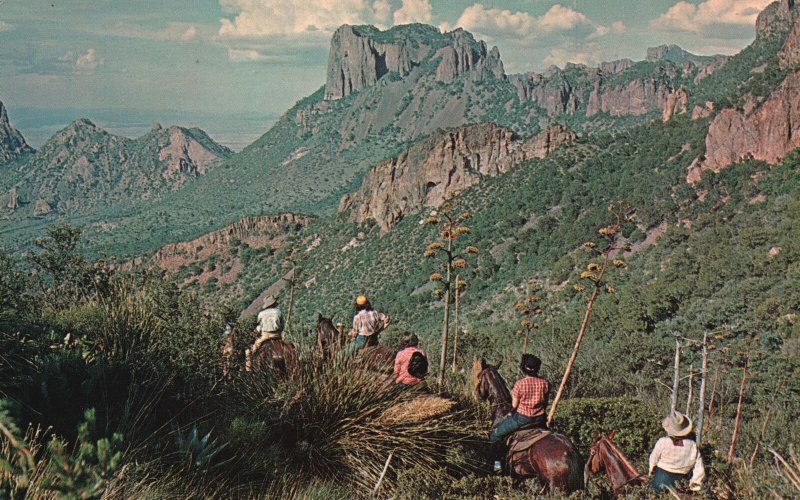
{"x": 531, "y": 392}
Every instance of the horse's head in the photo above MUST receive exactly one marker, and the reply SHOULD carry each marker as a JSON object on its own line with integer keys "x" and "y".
{"x": 490, "y": 386}
{"x": 325, "y": 326}
{"x": 597, "y": 450}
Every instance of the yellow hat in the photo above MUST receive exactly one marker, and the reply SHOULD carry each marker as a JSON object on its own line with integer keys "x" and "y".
{"x": 362, "y": 300}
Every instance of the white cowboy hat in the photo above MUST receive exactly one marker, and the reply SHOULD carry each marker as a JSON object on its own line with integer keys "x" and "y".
{"x": 677, "y": 425}
{"x": 269, "y": 301}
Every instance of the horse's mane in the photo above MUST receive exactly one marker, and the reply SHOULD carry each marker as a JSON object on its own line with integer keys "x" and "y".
{"x": 614, "y": 453}
{"x": 490, "y": 375}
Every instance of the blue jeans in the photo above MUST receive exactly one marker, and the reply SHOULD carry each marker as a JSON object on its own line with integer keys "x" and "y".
{"x": 511, "y": 424}
{"x": 663, "y": 480}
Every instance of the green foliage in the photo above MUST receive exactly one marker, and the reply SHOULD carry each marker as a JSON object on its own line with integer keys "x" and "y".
{"x": 637, "y": 426}
{"x": 85, "y": 472}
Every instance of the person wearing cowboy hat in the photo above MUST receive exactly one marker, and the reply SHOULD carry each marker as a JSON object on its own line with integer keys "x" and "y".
{"x": 528, "y": 398}
{"x": 367, "y": 324}
{"x": 676, "y": 456}
{"x": 270, "y": 327}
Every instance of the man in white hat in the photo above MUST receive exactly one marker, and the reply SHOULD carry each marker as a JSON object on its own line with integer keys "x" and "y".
{"x": 270, "y": 326}
{"x": 676, "y": 457}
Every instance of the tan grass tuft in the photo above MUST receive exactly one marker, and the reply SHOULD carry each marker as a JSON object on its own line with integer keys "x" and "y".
{"x": 419, "y": 409}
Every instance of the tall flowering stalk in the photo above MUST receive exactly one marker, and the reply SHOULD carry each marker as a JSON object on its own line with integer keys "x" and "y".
{"x": 529, "y": 310}
{"x": 451, "y": 226}
{"x": 594, "y": 275}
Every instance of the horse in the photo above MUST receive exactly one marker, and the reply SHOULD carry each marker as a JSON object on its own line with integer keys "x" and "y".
{"x": 233, "y": 349}
{"x": 275, "y": 355}
{"x": 604, "y": 455}
{"x": 329, "y": 339}
{"x": 552, "y": 457}
{"x": 330, "y": 343}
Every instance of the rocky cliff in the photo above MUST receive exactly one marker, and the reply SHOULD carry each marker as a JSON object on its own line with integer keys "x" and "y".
{"x": 764, "y": 132}
{"x": 12, "y": 144}
{"x": 359, "y": 56}
{"x": 443, "y": 165}
{"x": 777, "y": 16}
{"x": 82, "y": 166}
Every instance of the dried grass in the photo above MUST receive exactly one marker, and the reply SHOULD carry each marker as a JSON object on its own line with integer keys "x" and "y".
{"x": 419, "y": 409}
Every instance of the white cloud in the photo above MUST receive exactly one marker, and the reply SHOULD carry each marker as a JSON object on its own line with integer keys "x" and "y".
{"x": 264, "y": 18}
{"x": 688, "y": 17}
{"x": 414, "y": 11}
{"x": 172, "y": 32}
{"x": 589, "y": 55}
{"x": 498, "y": 23}
{"x": 190, "y": 34}
{"x": 245, "y": 55}
{"x": 89, "y": 61}
{"x": 617, "y": 28}
{"x": 383, "y": 11}
{"x": 4, "y": 26}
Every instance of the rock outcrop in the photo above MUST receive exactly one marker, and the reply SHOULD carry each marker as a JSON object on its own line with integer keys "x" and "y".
{"x": 554, "y": 94}
{"x": 12, "y": 144}
{"x": 789, "y": 55}
{"x": 776, "y": 17}
{"x": 41, "y": 208}
{"x": 677, "y": 101}
{"x": 465, "y": 55}
{"x": 443, "y": 165}
{"x": 636, "y": 97}
{"x": 766, "y": 133}
{"x": 257, "y": 232}
{"x": 359, "y": 56}
{"x": 13, "y": 199}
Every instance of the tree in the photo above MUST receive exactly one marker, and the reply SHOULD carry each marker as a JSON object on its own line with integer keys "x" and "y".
{"x": 450, "y": 223}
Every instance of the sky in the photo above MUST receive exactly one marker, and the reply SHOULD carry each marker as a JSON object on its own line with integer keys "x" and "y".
{"x": 232, "y": 67}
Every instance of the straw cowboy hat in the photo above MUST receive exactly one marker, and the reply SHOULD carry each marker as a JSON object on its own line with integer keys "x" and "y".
{"x": 677, "y": 425}
{"x": 269, "y": 301}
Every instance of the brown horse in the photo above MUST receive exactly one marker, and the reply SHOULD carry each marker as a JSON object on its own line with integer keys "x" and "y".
{"x": 552, "y": 458}
{"x": 329, "y": 339}
{"x": 330, "y": 342}
{"x": 275, "y": 355}
{"x": 604, "y": 455}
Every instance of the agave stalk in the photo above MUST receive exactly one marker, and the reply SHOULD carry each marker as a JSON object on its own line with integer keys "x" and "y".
{"x": 676, "y": 377}
{"x": 738, "y": 413}
{"x": 446, "y": 322}
{"x": 578, "y": 341}
{"x": 702, "y": 396}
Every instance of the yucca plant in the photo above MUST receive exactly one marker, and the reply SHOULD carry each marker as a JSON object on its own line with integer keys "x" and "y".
{"x": 341, "y": 425}
{"x": 199, "y": 451}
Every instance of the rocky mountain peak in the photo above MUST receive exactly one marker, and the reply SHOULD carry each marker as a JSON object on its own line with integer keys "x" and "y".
{"x": 12, "y": 144}
{"x": 675, "y": 54}
{"x": 776, "y": 17}
{"x": 360, "y": 55}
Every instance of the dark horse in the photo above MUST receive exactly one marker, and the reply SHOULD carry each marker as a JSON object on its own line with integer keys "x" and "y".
{"x": 276, "y": 356}
{"x": 604, "y": 455}
{"x": 330, "y": 342}
{"x": 552, "y": 457}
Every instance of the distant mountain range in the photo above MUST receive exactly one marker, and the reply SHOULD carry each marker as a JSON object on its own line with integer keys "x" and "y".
{"x": 385, "y": 91}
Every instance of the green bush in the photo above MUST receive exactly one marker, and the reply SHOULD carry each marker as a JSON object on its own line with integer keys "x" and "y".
{"x": 637, "y": 427}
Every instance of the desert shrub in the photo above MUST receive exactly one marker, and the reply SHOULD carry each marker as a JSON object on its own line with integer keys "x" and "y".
{"x": 637, "y": 426}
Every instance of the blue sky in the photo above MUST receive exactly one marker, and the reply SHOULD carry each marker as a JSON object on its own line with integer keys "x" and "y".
{"x": 233, "y": 66}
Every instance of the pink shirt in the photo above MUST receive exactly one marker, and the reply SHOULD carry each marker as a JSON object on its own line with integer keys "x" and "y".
{"x": 401, "y": 366}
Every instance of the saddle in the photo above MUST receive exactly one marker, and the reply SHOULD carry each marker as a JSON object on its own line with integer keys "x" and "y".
{"x": 525, "y": 438}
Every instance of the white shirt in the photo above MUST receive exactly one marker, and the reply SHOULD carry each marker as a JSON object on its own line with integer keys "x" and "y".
{"x": 270, "y": 321}
{"x": 679, "y": 459}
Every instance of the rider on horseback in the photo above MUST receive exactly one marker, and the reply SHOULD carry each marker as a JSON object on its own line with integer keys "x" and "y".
{"x": 270, "y": 327}
{"x": 676, "y": 456}
{"x": 411, "y": 363}
{"x": 529, "y": 399}
{"x": 367, "y": 324}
